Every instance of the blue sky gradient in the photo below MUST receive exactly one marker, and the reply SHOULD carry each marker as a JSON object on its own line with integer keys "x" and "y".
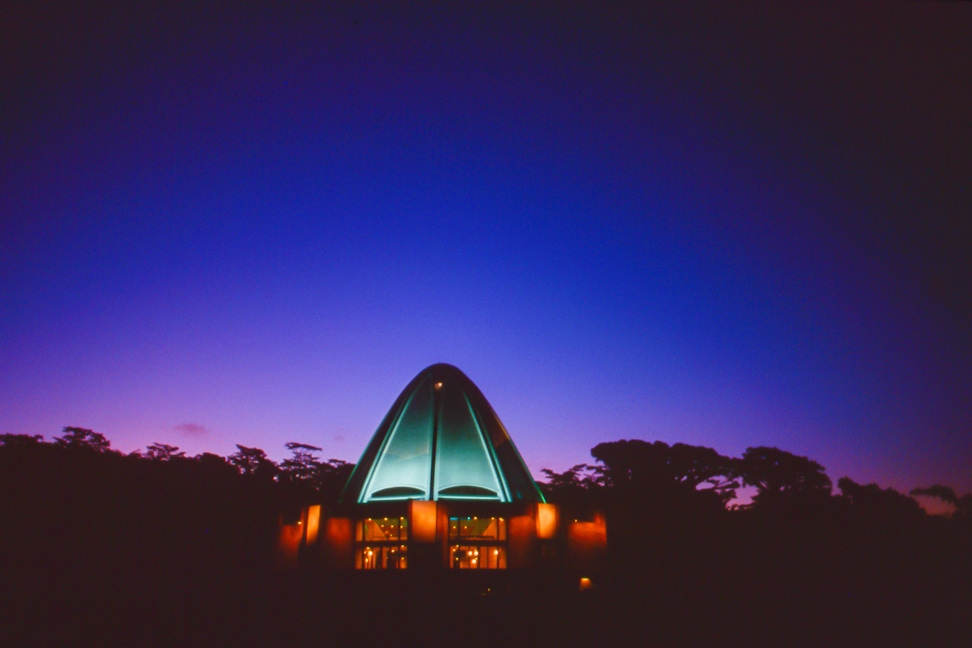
{"x": 725, "y": 224}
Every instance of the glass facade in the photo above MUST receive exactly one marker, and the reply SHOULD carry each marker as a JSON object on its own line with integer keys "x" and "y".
{"x": 441, "y": 446}
{"x": 441, "y": 440}
{"x": 403, "y": 467}
{"x": 478, "y": 557}
{"x": 381, "y": 543}
{"x": 381, "y": 558}
{"x": 477, "y": 542}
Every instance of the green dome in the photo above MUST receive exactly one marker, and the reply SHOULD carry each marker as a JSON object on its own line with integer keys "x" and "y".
{"x": 441, "y": 440}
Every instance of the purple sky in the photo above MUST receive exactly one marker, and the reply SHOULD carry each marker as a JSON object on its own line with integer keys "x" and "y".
{"x": 726, "y": 224}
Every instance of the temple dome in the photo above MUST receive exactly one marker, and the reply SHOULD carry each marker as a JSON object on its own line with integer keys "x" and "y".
{"x": 441, "y": 440}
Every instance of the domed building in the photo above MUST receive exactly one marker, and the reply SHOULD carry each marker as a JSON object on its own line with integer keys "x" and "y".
{"x": 441, "y": 486}
{"x": 441, "y": 441}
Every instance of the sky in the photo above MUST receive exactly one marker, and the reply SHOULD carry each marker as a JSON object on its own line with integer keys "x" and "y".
{"x": 724, "y": 224}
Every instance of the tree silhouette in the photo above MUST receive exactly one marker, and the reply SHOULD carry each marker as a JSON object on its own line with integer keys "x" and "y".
{"x": 76, "y": 438}
{"x": 781, "y": 477}
{"x": 163, "y": 452}
{"x": 21, "y": 440}
{"x": 581, "y": 477}
{"x": 253, "y": 462}
{"x": 315, "y": 478}
{"x": 963, "y": 505}
{"x": 199, "y": 533}
{"x": 704, "y": 470}
{"x": 872, "y": 501}
{"x": 330, "y": 478}
{"x": 656, "y": 470}
{"x": 303, "y": 463}
{"x": 577, "y": 489}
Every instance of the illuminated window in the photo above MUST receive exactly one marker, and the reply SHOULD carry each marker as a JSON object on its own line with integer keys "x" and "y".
{"x": 477, "y": 542}
{"x": 381, "y": 557}
{"x": 380, "y": 543}
{"x": 477, "y": 528}
{"x": 393, "y": 529}
{"x": 478, "y": 557}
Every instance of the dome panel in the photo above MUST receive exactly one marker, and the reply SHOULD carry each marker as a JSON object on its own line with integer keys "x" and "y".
{"x": 441, "y": 439}
{"x": 463, "y": 462}
{"x": 404, "y": 463}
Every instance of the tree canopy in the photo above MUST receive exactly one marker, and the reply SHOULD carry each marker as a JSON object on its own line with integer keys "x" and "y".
{"x": 77, "y": 438}
{"x": 782, "y": 477}
{"x": 686, "y": 473}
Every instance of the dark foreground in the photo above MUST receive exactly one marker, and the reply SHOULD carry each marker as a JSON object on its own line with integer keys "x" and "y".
{"x": 102, "y": 549}
{"x": 111, "y": 602}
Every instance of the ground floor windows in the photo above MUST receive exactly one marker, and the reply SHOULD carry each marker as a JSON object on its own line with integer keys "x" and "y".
{"x": 477, "y": 542}
{"x": 477, "y": 557}
{"x": 472, "y": 543}
{"x": 381, "y": 543}
{"x": 381, "y": 557}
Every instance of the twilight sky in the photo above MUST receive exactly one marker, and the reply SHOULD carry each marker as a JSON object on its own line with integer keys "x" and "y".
{"x": 726, "y": 224}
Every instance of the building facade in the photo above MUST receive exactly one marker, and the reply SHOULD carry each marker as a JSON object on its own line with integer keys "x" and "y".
{"x": 441, "y": 486}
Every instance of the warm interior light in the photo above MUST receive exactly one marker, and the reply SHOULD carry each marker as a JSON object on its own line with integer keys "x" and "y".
{"x": 586, "y": 543}
{"x": 313, "y": 523}
{"x": 288, "y": 543}
{"x": 546, "y": 521}
{"x": 424, "y": 515}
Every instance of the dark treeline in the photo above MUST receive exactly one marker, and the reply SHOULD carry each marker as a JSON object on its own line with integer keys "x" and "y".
{"x": 799, "y": 565}
{"x": 93, "y": 540}
{"x": 162, "y": 548}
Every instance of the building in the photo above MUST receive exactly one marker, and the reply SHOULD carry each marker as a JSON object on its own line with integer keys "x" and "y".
{"x": 441, "y": 486}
